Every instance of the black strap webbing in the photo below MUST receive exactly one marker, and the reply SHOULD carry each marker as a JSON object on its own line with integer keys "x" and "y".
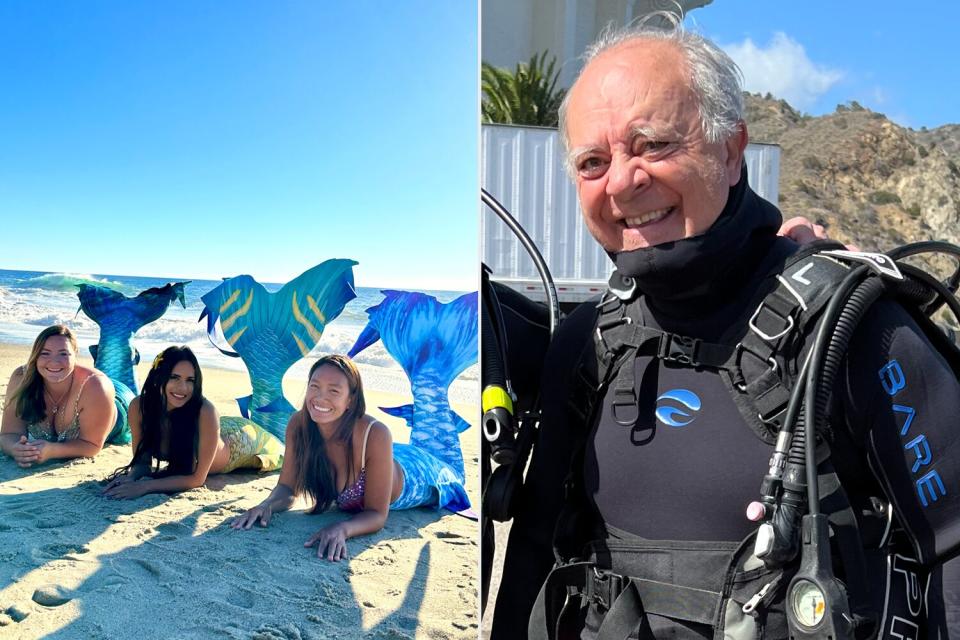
{"x": 643, "y": 597}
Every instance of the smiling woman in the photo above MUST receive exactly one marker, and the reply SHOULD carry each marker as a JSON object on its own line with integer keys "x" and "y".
{"x": 56, "y": 408}
{"x": 323, "y": 440}
{"x": 172, "y": 422}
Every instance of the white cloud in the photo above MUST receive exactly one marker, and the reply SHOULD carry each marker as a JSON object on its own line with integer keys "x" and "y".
{"x": 879, "y": 95}
{"x": 783, "y": 69}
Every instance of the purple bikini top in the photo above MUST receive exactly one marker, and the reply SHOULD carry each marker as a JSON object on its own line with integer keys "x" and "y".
{"x": 351, "y": 498}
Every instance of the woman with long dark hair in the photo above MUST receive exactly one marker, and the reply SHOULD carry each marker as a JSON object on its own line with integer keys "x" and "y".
{"x": 171, "y": 421}
{"x": 336, "y": 454}
{"x": 56, "y": 408}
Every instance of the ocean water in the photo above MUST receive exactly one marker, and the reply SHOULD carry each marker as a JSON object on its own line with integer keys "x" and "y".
{"x": 32, "y": 300}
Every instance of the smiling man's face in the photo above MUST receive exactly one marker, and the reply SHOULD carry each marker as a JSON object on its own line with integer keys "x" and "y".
{"x": 644, "y": 171}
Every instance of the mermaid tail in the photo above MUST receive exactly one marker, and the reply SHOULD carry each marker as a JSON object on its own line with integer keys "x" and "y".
{"x": 427, "y": 481}
{"x": 120, "y": 434}
{"x": 271, "y": 331}
{"x": 119, "y": 317}
{"x": 251, "y": 446}
{"x": 433, "y": 342}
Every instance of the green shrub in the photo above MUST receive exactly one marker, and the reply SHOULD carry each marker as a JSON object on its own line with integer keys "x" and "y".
{"x": 883, "y": 197}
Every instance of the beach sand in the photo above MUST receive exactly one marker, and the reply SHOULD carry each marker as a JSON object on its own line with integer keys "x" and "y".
{"x": 74, "y": 565}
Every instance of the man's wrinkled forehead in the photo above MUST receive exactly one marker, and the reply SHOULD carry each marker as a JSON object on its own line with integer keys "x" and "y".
{"x": 630, "y": 73}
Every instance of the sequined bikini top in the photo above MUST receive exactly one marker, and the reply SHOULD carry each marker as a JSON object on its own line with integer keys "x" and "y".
{"x": 351, "y": 498}
{"x": 44, "y": 430}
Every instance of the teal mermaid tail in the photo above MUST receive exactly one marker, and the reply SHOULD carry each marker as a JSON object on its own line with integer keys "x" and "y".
{"x": 427, "y": 481}
{"x": 120, "y": 434}
{"x": 433, "y": 342}
{"x": 119, "y": 317}
{"x": 271, "y": 331}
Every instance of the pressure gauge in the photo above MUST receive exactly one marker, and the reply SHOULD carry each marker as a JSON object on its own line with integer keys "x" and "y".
{"x": 808, "y": 603}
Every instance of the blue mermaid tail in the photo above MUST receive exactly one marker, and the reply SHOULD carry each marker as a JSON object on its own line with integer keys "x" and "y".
{"x": 119, "y": 317}
{"x": 433, "y": 342}
{"x": 427, "y": 481}
{"x": 271, "y": 331}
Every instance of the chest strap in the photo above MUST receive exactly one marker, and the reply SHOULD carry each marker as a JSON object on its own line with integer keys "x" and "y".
{"x": 757, "y": 355}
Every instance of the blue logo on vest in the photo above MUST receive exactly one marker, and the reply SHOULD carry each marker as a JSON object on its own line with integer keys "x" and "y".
{"x": 675, "y": 416}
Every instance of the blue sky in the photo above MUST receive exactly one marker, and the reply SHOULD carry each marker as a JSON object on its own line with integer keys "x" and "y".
{"x": 896, "y": 58}
{"x": 207, "y": 139}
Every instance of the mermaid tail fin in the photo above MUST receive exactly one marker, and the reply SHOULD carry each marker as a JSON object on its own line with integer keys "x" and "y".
{"x": 296, "y": 314}
{"x": 417, "y": 330}
{"x": 119, "y": 317}
{"x": 434, "y": 343}
{"x": 368, "y": 336}
{"x": 271, "y": 331}
{"x": 406, "y": 412}
{"x": 100, "y": 302}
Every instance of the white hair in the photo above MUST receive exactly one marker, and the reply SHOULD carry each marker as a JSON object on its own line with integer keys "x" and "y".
{"x": 715, "y": 79}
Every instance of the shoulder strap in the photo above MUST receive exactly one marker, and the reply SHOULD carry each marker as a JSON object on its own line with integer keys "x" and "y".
{"x": 76, "y": 403}
{"x": 363, "y": 451}
{"x": 770, "y": 342}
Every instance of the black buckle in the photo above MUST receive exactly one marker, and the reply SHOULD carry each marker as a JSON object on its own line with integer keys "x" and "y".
{"x": 625, "y": 398}
{"x": 739, "y": 381}
{"x": 607, "y": 587}
{"x": 682, "y": 349}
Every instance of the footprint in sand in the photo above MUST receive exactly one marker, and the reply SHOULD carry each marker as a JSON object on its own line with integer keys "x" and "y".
{"x": 62, "y": 551}
{"x": 241, "y": 598}
{"x": 54, "y": 522}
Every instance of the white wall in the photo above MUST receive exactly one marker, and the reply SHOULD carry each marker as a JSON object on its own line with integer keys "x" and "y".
{"x": 513, "y": 31}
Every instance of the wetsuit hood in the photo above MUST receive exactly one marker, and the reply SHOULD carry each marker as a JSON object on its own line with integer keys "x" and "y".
{"x": 709, "y": 266}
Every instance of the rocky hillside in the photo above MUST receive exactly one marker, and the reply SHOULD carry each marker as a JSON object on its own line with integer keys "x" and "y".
{"x": 867, "y": 179}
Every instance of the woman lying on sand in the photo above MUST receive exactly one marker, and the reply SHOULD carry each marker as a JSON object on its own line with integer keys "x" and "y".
{"x": 56, "y": 408}
{"x": 171, "y": 421}
{"x": 337, "y": 453}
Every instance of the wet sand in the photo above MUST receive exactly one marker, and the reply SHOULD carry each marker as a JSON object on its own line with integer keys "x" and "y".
{"x": 74, "y": 565}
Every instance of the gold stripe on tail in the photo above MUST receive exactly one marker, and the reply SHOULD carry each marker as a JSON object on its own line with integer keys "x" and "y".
{"x": 242, "y": 311}
{"x": 302, "y": 319}
{"x": 229, "y": 301}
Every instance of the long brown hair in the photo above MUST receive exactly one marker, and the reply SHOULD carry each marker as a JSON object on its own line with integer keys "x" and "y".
{"x": 183, "y": 422}
{"x": 317, "y": 476}
{"x": 31, "y": 407}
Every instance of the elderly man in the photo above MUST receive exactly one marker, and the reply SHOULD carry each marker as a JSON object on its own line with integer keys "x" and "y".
{"x": 648, "y": 457}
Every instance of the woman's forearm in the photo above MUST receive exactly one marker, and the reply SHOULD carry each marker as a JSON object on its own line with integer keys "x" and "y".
{"x": 280, "y": 499}
{"x": 139, "y": 470}
{"x": 170, "y": 484}
{"x": 72, "y": 449}
{"x": 7, "y": 440}
{"x": 365, "y": 522}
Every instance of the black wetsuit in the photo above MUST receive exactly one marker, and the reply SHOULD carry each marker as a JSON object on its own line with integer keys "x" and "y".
{"x": 691, "y": 465}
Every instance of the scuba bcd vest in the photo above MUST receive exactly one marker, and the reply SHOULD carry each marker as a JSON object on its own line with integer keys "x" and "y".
{"x": 778, "y": 363}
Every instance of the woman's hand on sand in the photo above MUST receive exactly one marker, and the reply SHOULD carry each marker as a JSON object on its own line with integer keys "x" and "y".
{"x": 126, "y": 490}
{"x": 331, "y": 542}
{"x": 29, "y": 452}
{"x": 116, "y": 482}
{"x": 259, "y": 512}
